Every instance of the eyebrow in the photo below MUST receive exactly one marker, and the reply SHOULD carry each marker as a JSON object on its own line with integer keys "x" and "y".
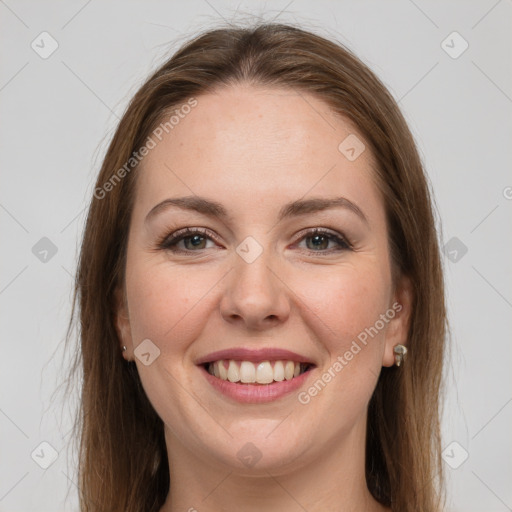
{"x": 295, "y": 208}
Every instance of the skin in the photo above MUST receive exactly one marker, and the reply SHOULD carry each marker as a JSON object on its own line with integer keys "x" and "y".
{"x": 253, "y": 149}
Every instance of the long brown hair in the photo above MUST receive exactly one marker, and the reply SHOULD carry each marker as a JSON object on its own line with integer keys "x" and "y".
{"x": 123, "y": 462}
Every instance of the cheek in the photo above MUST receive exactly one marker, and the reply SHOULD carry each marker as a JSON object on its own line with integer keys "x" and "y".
{"x": 349, "y": 306}
{"x": 347, "y": 301}
{"x": 171, "y": 305}
{"x": 167, "y": 303}
{"x": 167, "y": 306}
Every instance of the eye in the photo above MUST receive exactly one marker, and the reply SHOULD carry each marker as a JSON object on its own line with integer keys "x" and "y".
{"x": 321, "y": 238}
{"x": 193, "y": 239}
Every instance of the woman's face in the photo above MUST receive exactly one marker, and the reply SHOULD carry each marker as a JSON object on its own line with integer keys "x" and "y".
{"x": 256, "y": 287}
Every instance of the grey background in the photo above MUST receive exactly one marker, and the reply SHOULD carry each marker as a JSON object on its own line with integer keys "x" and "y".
{"x": 58, "y": 115}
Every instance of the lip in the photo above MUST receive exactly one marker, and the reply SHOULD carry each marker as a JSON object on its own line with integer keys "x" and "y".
{"x": 255, "y": 393}
{"x": 254, "y": 356}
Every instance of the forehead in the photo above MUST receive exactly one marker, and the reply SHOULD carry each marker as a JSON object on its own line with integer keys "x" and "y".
{"x": 240, "y": 121}
{"x": 257, "y": 145}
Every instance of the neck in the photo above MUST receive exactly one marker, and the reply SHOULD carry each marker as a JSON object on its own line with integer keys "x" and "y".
{"x": 333, "y": 480}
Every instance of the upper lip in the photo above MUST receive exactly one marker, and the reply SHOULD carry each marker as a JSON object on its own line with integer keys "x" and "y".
{"x": 254, "y": 355}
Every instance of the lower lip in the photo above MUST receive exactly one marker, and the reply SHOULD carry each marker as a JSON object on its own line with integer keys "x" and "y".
{"x": 256, "y": 393}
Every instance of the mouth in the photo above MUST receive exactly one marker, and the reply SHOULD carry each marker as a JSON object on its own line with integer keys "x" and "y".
{"x": 256, "y": 373}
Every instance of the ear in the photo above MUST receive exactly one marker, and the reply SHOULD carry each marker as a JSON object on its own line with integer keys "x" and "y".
{"x": 399, "y": 312}
{"x": 122, "y": 322}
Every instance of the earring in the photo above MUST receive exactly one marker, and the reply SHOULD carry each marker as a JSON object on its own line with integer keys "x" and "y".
{"x": 124, "y": 348}
{"x": 400, "y": 352}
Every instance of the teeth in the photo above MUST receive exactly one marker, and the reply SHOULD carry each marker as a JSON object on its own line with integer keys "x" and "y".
{"x": 247, "y": 372}
{"x": 289, "y": 369}
{"x": 223, "y": 373}
{"x": 278, "y": 371}
{"x": 233, "y": 372}
{"x": 264, "y": 372}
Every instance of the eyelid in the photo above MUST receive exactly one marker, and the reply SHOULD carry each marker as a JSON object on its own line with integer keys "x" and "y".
{"x": 170, "y": 240}
{"x": 180, "y": 234}
{"x": 332, "y": 234}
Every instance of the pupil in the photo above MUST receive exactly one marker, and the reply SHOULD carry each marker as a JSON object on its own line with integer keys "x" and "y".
{"x": 318, "y": 238}
{"x": 195, "y": 240}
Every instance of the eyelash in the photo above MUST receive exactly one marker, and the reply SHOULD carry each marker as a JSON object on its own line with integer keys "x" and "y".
{"x": 169, "y": 242}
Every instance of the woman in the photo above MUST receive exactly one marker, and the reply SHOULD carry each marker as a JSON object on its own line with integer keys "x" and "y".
{"x": 260, "y": 291}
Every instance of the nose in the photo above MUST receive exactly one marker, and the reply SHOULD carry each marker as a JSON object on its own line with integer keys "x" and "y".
{"x": 255, "y": 297}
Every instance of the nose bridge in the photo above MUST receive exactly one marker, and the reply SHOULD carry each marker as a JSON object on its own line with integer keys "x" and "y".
{"x": 254, "y": 293}
{"x": 255, "y": 273}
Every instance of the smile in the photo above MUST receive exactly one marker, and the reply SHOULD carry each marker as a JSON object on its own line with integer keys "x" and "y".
{"x": 250, "y": 375}
{"x": 249, "y": 372}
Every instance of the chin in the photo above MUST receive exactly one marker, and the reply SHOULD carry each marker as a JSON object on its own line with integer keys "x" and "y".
{"x": 254, "y": 451}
